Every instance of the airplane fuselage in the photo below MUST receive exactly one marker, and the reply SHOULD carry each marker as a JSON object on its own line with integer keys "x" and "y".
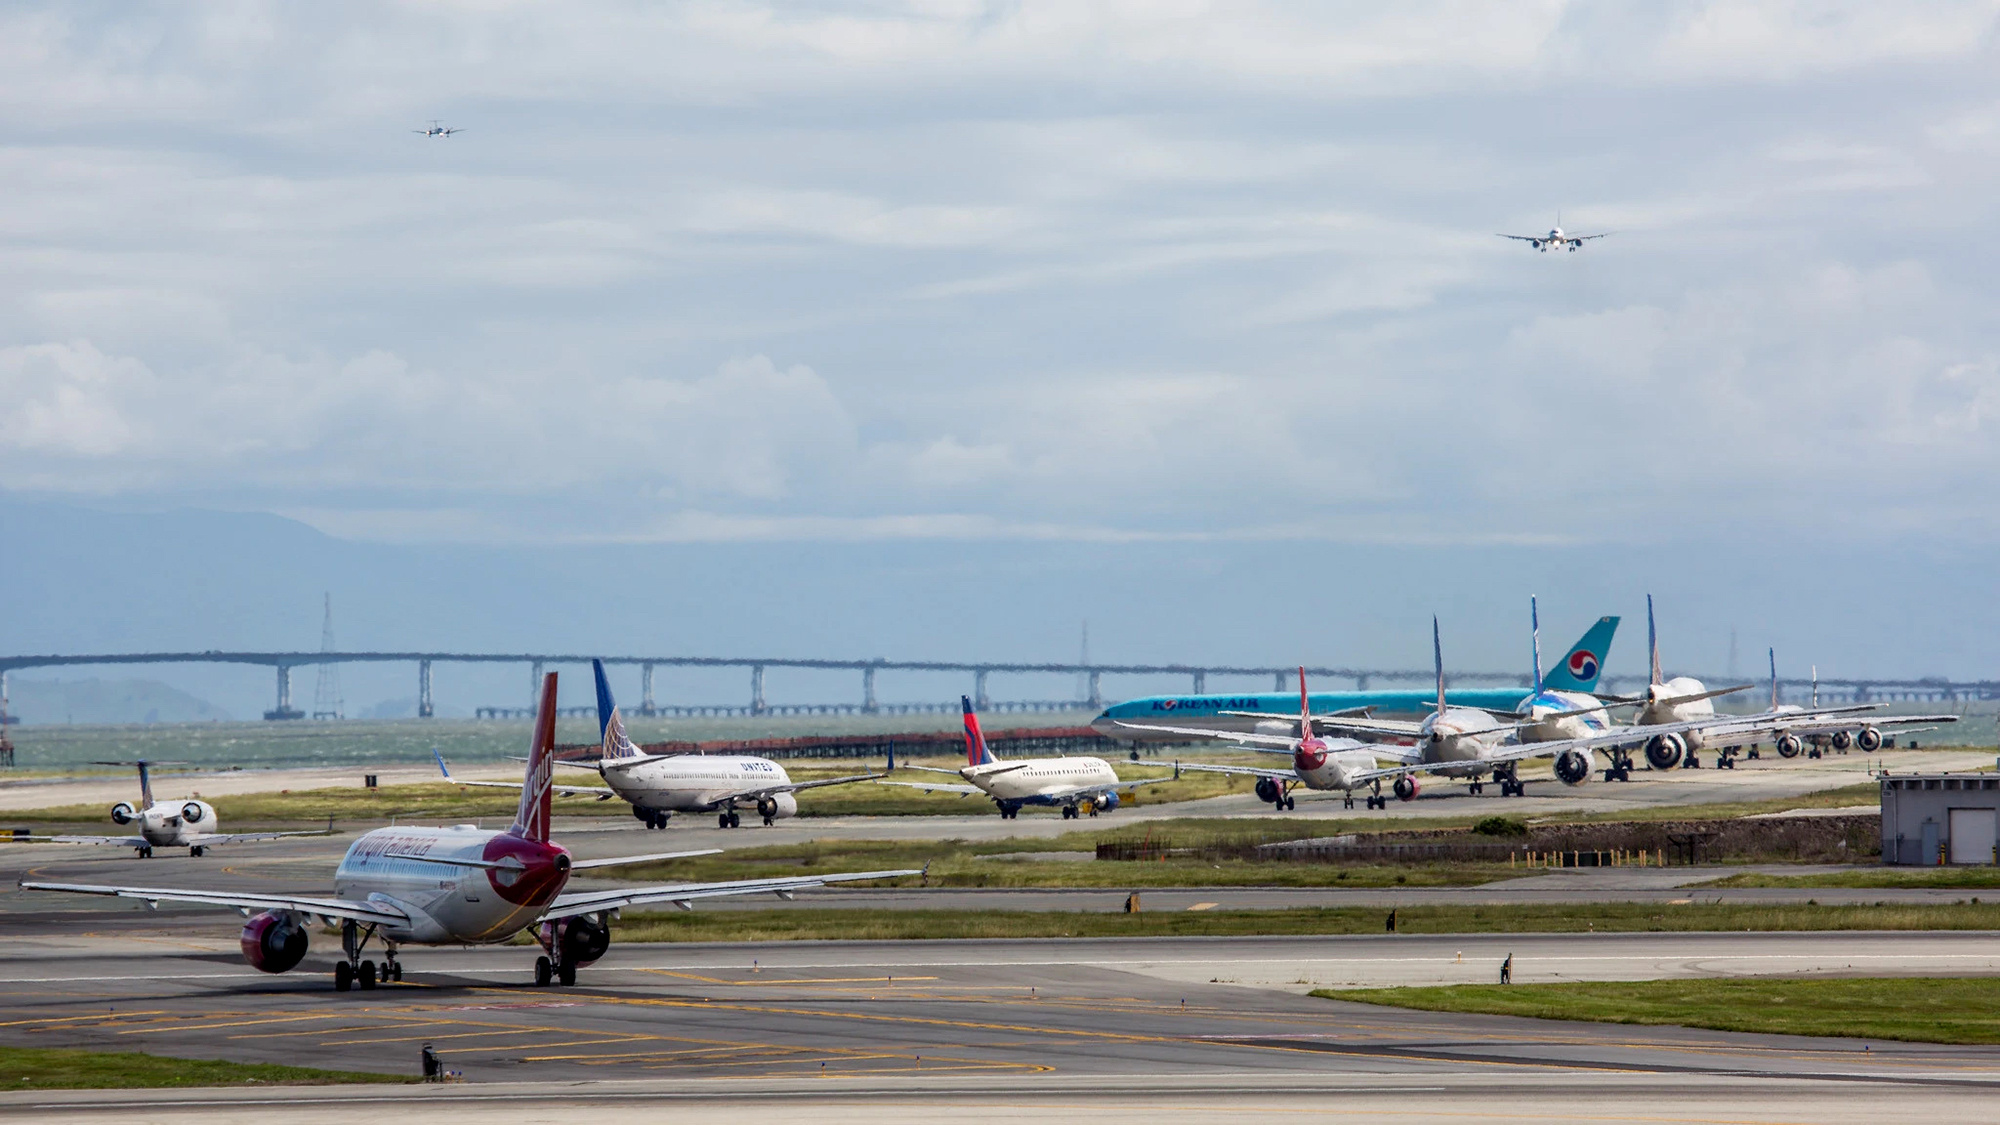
{"x": 1666, "y": 703}
{"x": 1583, "y": 725}
{"x": 1030, "y": 781}
{"x": 697, "y": 782}
{"x": 168, "y": 824}
{"x": 452, "y": 904}
{"x": 1460, "y": 739}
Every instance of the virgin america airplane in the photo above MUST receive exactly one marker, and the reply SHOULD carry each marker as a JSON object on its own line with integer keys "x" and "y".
{"x": 459, "y": 886}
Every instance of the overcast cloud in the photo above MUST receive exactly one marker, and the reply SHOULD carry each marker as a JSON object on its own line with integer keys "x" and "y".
{"x": 1037, "y": 270}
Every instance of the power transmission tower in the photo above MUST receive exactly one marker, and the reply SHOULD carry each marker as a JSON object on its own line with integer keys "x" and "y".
{"x": 326, "y": 696}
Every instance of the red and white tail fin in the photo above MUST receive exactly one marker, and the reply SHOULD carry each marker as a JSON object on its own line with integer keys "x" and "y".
{"x": 1305, "y": 708}
{"x": 531, "y": 822}
{"x": 976, "y": 753}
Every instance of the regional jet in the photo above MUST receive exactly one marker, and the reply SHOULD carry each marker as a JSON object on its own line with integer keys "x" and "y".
{"x": 437, "y": 129}
{"x": 1078, "y": 786}
{"x": 187, "y": 823}
{"x": 459, "y": 886}
{"x": 659, "y": 785}
{"x": 1557, "y": 237}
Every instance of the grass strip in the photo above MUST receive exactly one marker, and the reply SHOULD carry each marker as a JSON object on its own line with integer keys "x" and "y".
{"x": 814, "y": 924}
{"x": 1918, "y": 1009}
{"x": 1937, "y": 878}
{"x": 64, "y": 1068}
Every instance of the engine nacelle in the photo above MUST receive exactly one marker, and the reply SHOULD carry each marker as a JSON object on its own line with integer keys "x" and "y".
{"x": 1107, "y": 801}
{"x": 1573, "y": 767}
{"x": 584, "y": 939}
{"x": 1269, "y": 791}
{"x": 121, "y": 813}
{"x": 1869, "y": 739}
{"x": 1842, "y": 740}
{"x": 777, "y": 806}
{"x": 1663, "y": 751}
{"x": 1407, "y": 788}
{"x": 274, "y": 942}
{"x": 194, "y": 812}
{"x": 1789, "y": 745}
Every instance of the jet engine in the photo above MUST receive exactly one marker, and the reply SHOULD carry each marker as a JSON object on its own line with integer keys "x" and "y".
{"x": 1663, "y": 751}
{"x": 1842, "y": 740}
{"x": 777, "y": 806}
{"x": 121, "y": 813}
{"x": 274, "y": 941}
{"x": 1107, "y": 801}
{"x": 584, "y": 939}
{"x": 193, "y": 812}
{"x": 1789, "y": 745}
{"x": 1573, "y": 766}
{"x": 1269, "y": 791}
{"x": 1407, "y": 788}
{"x": 1869, "y": 739}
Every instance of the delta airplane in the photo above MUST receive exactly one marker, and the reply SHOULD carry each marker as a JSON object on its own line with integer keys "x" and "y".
{"x": 659, "y": 785}
{"x": 1455, "y": 741}
{"x": 459, "y": 886}
{"x": 1567, "y": 686}
{"x": 1076, "y": 785}
{"x": 187, "y": 823}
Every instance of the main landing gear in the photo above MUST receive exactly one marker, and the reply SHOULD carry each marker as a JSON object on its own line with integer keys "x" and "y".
{"x": 1008, "y": 812}
{"x": 547, "y": 971}
{"x": 357, "y": 973}
{"x": 146, "y": 852}
{"x": 1620, "y": 768}
{"x": 651, "y": 818}
{"x": 1376, "y": 800}
{"x": 1510, "y": 781}
{"x": 197, "y": 851}
{"x": 728, "y": 818}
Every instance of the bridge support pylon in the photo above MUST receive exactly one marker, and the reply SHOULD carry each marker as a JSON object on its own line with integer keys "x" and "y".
{"x": 424, "y": 708}
{"x": 284, "y": 709}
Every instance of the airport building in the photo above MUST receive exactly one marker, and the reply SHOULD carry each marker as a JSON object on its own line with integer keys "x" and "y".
{"x": 1934, "y": 819}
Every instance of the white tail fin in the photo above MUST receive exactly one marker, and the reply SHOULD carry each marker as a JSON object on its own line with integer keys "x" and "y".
{"x": 531, "y": 821}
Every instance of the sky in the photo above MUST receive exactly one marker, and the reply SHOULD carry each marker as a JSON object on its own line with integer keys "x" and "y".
{"x": 1031, "y": 277}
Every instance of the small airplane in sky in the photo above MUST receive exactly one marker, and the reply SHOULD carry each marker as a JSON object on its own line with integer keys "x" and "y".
{"x": 437, "y": 129}
{"x": 1556, "y": 237}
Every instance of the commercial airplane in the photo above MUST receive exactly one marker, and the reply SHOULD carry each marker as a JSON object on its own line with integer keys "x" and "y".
{"x": 1793, "y": 730}
{"x": 1557, "y": 237}
{"x": 1574, "y": 677}
{"x": 1076, "y": 785}
{"x": 1455, "y": 741}
{"x": 460, "y": 886}
{"x": 659, "y": 785}
{"x": 436, "y": 130}
{"x": 1682, "y": 699}
{"x": 187, "y": 823}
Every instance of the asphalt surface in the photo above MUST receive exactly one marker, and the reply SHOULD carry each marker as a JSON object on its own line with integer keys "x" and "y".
{"x": 1171, "y": 1029}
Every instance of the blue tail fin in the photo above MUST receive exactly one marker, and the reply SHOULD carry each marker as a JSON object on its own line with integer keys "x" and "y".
{"x": 612, "y": 742}
{"x": 1584, "y": 662}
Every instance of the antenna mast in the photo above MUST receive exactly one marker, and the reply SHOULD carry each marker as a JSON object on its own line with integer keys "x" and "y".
{"x": 326, "y": 696}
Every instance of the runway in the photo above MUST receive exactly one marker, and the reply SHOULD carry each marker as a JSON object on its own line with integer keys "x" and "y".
{"x": 1167, "y": 1029}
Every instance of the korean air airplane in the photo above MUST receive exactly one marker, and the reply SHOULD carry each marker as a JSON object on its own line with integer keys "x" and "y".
{"x": 1574, "y": 676}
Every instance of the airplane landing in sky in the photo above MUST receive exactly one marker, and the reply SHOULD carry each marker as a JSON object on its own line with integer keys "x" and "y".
{"x": 1557, "y": 237}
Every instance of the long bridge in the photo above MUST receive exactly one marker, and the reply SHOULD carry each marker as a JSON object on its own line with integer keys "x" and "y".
{"x": 1857, "y": 690}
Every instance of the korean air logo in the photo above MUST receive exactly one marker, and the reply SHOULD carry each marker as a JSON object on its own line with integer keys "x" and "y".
{"x": 1583, "y": 664}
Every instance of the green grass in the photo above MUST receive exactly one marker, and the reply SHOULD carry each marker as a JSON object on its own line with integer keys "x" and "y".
{"x": 1919, "y": 1009}
{"x": 1940, "y": 878}
{"x": 58, "y": 1068}
{"x": 906, "y": 925}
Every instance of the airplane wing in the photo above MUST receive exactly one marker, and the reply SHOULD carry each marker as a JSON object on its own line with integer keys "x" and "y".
{"x": 560, "y": 789}
{"x": 1517, "y": 237}
{"x": 1085, "y": 790}
{"x": 683, "y": 894}
{"x": 1588, "y": 237}
{"x": 209, "y": 840}
{"x": 325, "y": 908}
{"x": 116, "y": 841}
{"x": 1759, "y": 728}
{"x": 1246, "y": 738}
{"x": 937, "y": 787}
{"x": 1248, "y": 771}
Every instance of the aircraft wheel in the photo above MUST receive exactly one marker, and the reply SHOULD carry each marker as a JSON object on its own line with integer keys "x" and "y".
{"x": 197, "y": 852}
{"x": 393, "y": 971}
{"x": 769, "y": 821}
{"x": 1291, "y": 803}
{"x": 544, "y": 971}
{"x": 366, "y": 978}
{"x": 735, "y": 820}
{"x": 722, "y": 820}
{"x": 343, "y": 976}
{"x": 1813, "y": 753}
{"x": 145, "y": 853}
{"x": 566, "y": 974}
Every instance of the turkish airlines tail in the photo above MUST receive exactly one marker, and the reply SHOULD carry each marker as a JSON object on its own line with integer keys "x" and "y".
{"x": 531, "y": 821}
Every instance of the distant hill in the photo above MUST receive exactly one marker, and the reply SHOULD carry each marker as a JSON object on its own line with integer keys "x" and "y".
{"x": 106, "y": 701}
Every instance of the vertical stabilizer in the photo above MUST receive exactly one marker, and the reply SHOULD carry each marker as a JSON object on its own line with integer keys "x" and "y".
{"x": 1774, "y": 678}
{"x": 1652, "y": 644}
{"x": 531, "y": 820}
{"x": 1815, "y": 695}
{"x": 1535, "y": 641}
{"x": 613, "y": 742}
{"x": 1305, "y": 708}
{"x": 1437, "y": 658}
{"x": 976, "y": 753}
{"x": 1584, "y": 662}
{"x": 145, "y": 784}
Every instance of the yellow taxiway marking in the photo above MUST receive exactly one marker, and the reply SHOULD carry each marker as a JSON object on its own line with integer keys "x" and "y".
{"x": 780, "y": 980}
{"x": 1203, "y": 906}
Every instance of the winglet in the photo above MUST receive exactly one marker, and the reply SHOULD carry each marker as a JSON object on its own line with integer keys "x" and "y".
{"x": 531, "y": 820}
{"x": 442, "y": 768}
{"x": 976, "y": 753}
{"x": 1535, "y": 642}
{"x": 891, "y": 767}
